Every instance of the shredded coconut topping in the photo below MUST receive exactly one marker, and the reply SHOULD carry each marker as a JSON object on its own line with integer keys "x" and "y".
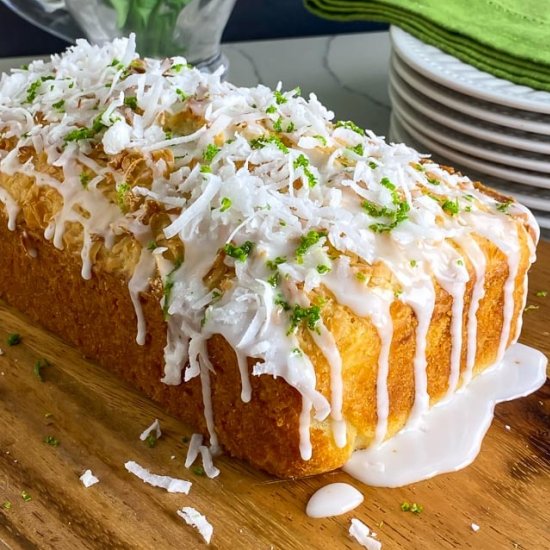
{"x": 249, "y": 204}
{"x": 198, "y": 521}
{"x": 363, "y": 535}
{"x": 88, "y": 479}
{"x": 193, "y": 450}
{"x": 171, "y": 484}
{"x": 209, "y": 469}
{"x": 154, "y": 427}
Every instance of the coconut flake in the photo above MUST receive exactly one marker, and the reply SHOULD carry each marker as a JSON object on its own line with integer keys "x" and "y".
{"x": 198, "y": 521}
{"x": 88, "y": 479}
{"x": 155, "y": 426}
{"x": 117, "y": 137}
{"x": 171, "y": 484}
{"x": 363, "y": 535}
{"x": 210, "y": 470}
{"x": 193, "y": 450}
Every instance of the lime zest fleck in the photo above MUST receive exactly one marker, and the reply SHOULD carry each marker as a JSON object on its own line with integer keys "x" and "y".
{"x": 311, "y": 238}
{"x": 451, "y": 207}
{"x": 279, "y": 97}
{"x": 503, "y": 206}
{"x": 412, "y": 507}
{"x": 358, "y": 149}
{"x": 348, "y": 124}
{"x": 14, "y": 339}
{"x": 322, "y": 139}
{"x": 52, "y": 441}
{"x": 303, "y": 162}
{"x": 273, "y": 264}
{"x": 131, "y": 101}
{"x": 225, "y": 204}
{"x": 262, "y": 141}
{"x": 308, "y": 315}
{"x": 210, "y": 152}
{"x": 122, "y": 190}
{"x": 151, "y": 440}
{"x": 239, "y": 253}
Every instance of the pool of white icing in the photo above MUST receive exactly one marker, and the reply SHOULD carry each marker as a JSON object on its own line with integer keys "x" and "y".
{"x": 448, "y": 437}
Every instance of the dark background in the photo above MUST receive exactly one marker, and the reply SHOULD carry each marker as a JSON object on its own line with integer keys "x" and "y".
{"x": 250, "y": 20}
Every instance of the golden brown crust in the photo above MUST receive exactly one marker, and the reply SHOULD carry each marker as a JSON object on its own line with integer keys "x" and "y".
{"x": 97, "y": 316}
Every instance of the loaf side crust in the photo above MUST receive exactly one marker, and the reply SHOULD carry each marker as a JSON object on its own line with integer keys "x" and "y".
{"x": 97, "y": 317}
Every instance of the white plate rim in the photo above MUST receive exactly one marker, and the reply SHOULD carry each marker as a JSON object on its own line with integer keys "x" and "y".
{"x": 462, "y": 77}
{"x": 495, "y": 114}
{"x": 483, "y": 129}
{"x": 477, "y": 148}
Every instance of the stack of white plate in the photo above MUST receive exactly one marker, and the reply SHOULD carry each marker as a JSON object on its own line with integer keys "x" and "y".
{"x": 489, "y": 128}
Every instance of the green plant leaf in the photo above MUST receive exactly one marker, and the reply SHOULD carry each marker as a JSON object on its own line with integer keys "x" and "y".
{"x": 122, "y": 8}
{"x": 144, "y": 9}
{"x": 178, "y": 4}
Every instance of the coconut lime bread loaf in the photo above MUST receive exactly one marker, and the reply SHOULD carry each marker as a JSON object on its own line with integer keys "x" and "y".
{"x": 290, "y": 285}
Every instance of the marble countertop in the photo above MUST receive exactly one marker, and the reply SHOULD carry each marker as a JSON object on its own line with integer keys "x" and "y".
{"x": 349, "y": 72}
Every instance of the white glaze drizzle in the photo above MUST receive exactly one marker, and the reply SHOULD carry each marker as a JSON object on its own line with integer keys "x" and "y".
{"x": 326, "y": 343}
{"x": 246, "y": 390}
{"x": 208, "y": 409}
{"x": 504, "y": 234}
{"x": 11, "y": 206}
{"x": 478, "y": 261}
{"x": 421, "y": 298}
{"x": 452, "y": 276}
{"x": 374, "y": 304}
{"x": 306, "y": 449}
{"x": 139, "y": 282}
{"x": 385, "y": 332}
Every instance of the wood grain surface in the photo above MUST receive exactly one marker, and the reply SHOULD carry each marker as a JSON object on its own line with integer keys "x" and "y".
{"x": 98, "y": 420}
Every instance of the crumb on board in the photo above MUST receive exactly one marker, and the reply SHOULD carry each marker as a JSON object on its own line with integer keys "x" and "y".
{"x": 363, "y": 535}
{"x": 88, "y": 479}
{"x": 198, "y": 521}
{"x": 172, "y": 485}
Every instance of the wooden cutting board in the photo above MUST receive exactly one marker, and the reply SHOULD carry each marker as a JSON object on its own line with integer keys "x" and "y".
{"x": 97, "y": 421}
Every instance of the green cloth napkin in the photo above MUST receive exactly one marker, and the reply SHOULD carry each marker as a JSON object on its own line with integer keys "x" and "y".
{"x": 507, "y": 38}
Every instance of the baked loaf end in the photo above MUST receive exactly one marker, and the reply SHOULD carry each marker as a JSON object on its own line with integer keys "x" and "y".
{"x": 293, "y": 288}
